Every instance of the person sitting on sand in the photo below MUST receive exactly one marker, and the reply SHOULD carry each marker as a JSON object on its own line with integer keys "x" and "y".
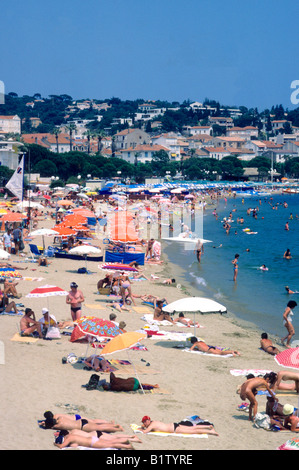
{"x": 184, "y": 427}
{"x": 284, "y": 376}
{"x": 248, "y": 390}
{"x": 159, "y": 315}
{"x": 97, "y": 363}
{"x": 10, "y": 288}
{"x": 6, "y": 306}
{"x": 67, "y": 423}
{"x": 28, "y": 325}
{"x": 130, "y": 384}
{"x": 185, "y": 321}
{"x": 200, "y": 345}
{"x": 266, "y": 345}
{"x": 96, "y": 441}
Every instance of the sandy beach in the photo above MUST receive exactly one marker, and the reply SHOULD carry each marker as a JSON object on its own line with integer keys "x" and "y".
{"x": 34, "y": 379}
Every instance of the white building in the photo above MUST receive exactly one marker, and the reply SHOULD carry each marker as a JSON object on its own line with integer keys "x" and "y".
{"x": 141, "y": 153}
{"x": 9, "y": 153}
{"x": 10, "y": 125}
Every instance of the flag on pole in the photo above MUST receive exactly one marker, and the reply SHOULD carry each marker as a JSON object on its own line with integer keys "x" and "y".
{"x": 16, "y": 182}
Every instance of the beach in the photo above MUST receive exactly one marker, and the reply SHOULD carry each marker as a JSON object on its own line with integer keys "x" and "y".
{"x": 35, "y": 379}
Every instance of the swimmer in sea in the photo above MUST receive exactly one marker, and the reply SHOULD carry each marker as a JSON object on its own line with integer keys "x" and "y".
{"x": 235, "y": 263}
{"x": 287, "y": 254}
{"x": 289, "y": 291}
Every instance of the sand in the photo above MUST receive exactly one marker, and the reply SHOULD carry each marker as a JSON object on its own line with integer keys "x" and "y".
{"x": 34, "y": 379}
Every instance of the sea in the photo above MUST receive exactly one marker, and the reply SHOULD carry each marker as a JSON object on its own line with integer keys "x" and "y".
{"x": 258, "y": 296}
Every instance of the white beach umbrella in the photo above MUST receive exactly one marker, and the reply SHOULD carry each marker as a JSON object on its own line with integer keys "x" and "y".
{"x": 194, "y": 305}
{"x": 85, "y": 250}
{"x": 32, "y": 204}
{"x": 43, "y": 232}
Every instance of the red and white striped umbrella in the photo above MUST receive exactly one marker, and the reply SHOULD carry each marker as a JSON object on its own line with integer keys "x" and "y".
{"x": 47, "y": 291}
{"x": 288, "y": 358}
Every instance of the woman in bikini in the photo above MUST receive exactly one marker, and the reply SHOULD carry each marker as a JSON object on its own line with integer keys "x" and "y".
{"x": 68, "y": 423}
{"x": 97, "y": 440}
{"x": 235, "y": 263}
{"x": 203, "y": 347}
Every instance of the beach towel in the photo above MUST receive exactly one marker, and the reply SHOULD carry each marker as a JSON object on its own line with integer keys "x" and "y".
{"x": 149, "y": 318}
{"x": 245, "y": 372}
{"x": 23, "y": 339}
{"x": 11, "y": 313}
{"x": 142, "y": 309}
{"x": 94, "y": 306}
{"x": 136, "y": 429}
{"x": 171, "y": 336}
{"x": 207, "y": 354}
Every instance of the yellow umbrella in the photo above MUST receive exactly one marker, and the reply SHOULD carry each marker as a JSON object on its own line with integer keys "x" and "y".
{"x": 124, "y": 341}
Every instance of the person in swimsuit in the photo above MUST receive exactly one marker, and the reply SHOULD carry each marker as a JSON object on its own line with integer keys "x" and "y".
{"x": 248, "y": 391}
{"x": 68, "y": 423}
{"x": 28, "y": 325}
{"x": 200, "y": 345}
{"x": 158, "y": 314}
{"x": 75, "y": 298}
{"x": 266, "y": 345}
{"x": 235, "y": 263}
{"x": 198, "y": 249}
{"x": 284, "y": 376}
{"x": 95, "y": 440}
{"x": 184, "y": 427}
{"x": 98, "y": 363}
{"x": 291, "y": 421}
{"x": 130, "y": 384}
{"x": 287, "y": 322}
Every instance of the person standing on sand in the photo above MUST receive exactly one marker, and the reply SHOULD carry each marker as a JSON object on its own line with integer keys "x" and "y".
{"x": 248, "y": 391}
{"x": 235, "y": 263}
{"x": 287, "y": 322}
{"x": 75, "y": 298}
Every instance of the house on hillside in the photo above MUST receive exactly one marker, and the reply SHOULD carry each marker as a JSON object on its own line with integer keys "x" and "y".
{"x": 9, "y": 153}
{"x": 10, "y": 125}
{"x": 246, "y": 133}
{"x": 130, "y": 138}
{"x": 142, "y": 153}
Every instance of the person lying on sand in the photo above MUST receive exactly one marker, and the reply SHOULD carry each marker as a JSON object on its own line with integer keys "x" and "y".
{"x": 95, "y": 441}
{"x": 200, "y": 345}
{"x": 130, "y": 384}
{"x": 283, "y": 376}
{"x": 185, "y": 321}
{"x": 266, "y": 345}
{"x": 185, "y": 427}
{"x": 67, "y": 423}
{"x": 96, "y": 363}
{"x": 76, "y": 417}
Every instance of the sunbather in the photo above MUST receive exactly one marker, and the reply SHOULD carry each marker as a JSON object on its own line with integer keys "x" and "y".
{"x": 184, "y": 427}
{"x": 200, "y": 345}
{"x": 185, "y": 321}
{"x": 28, "y": 324}
{"x": 283, "y": 376}
{"x": 266, "y": 345}
{"x": 96, "y": 363}
{"x": 67, "y": 423}
{"x": 73, "y": 440}
{"x": 130, "y": 384}
{"x": 5, "y": 305}
{"x": 64, "y": 437}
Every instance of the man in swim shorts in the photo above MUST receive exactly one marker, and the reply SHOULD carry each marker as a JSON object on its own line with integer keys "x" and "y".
{"x": 75, "y": 298}
{"x": 184, "y": 427}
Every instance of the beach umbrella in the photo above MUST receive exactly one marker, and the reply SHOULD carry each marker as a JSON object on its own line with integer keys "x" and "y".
{"x": 124, "y": 342}
{"x": 98, "y": 327}
{"x": 65, "y": 202}
{"x": 46, "y": 291}
{"x": 43, "y": 232}
{"x": 288, "y": 358}
{"x": 31, "y": 204}
{"x": 9, "y": 272}
{"x": 290, "y": 444}
{"x": 194, "y": 305}
{"x": 85, "y": 250}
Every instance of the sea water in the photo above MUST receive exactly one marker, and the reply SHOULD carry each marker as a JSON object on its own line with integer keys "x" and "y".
{"x": 258, "y": 296}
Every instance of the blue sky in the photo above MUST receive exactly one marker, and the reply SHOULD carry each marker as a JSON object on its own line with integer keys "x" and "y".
{"x": 236, "y": 52}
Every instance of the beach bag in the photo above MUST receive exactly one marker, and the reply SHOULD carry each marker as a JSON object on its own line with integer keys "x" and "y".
{"x": 262, "y": 420}
{"x": 82, "y": 270}
{"x": 53, "y": 333}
